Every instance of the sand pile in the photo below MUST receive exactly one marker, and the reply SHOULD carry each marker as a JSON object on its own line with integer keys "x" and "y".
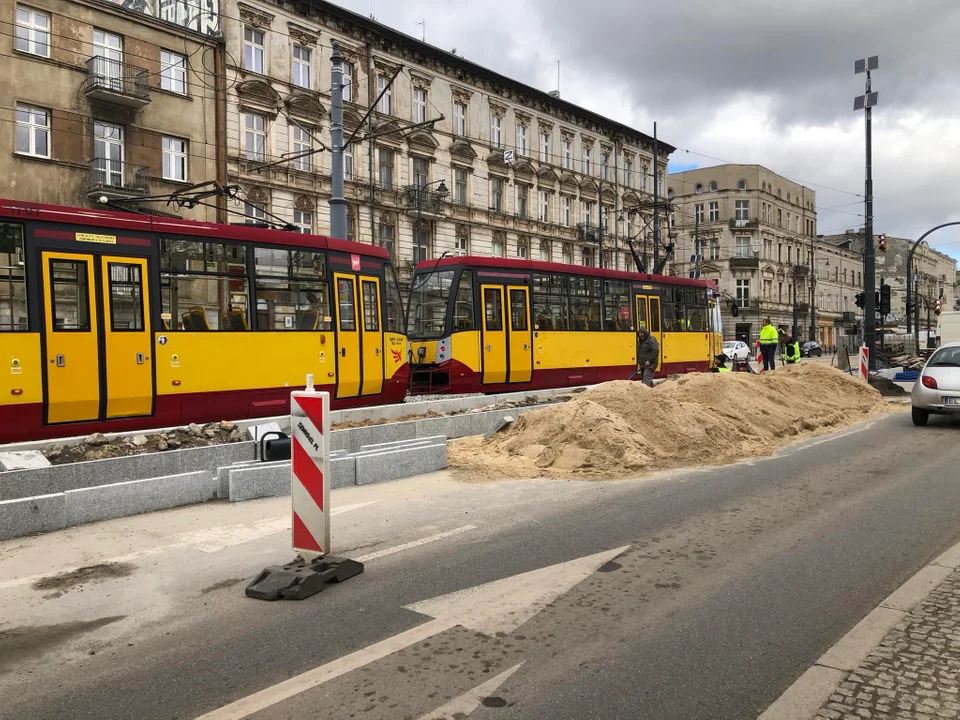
{"x": 622, "y": 429}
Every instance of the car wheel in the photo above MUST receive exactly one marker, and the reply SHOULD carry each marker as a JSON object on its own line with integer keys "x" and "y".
{"x": 920, "y": 417}
{"x": 818, "y": 352}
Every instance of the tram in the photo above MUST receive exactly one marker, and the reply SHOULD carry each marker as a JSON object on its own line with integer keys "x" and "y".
{"x": 114, "y": 321}
{"x": 478, "y": 324}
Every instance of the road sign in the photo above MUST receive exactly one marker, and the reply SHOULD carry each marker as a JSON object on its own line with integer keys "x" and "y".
{"x": 509, "y": 156}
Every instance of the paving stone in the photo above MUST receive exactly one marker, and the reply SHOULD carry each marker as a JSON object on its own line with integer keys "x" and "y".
{"x": 23, "y": 460}
{"x": 138, "y": 496}
{"x": 26, "y": 516}
{"x": 395, "y": 464}
{"x": 261, "y": 480}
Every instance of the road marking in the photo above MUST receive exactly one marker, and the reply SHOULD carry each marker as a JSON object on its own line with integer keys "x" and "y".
{"x": 415, "y": 543}
{"x": 811, "y": 690}
{"x": 524, "y": 594}
{"x": 208, "y": 540}
{"x": 461, "y": 707}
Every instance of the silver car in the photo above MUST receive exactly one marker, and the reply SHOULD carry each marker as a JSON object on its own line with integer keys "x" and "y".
{"x": 937, "y": 390}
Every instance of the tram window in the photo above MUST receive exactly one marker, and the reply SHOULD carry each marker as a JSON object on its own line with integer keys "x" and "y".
{"x": 291, "y": 290}
{"x": 71, "y": 299}
{"x": 492, "y": 301}
{"x": 617, "y": 310}
{"x": 654, "y": 315}
{"x": 200, "y": 303}
{"x": 371, "y": 311}
{"x": 427, "y": 315}
{"x": 550, "y": 302}
{"x": 126, "y": 297}
{"x": 463, "y": 305}
{"x": 585, "y": 303}
{"x": 13, "y": 286}
{"x": 518, "y": 310}
{"x": 394, "y": 303}
{"x": 347, "y": 304}
{"x": 642, "y": 314}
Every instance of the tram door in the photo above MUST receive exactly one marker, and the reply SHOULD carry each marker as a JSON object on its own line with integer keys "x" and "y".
{"x": 348, "y": 337}
{"x": 521, "y": 339}
{"x": 648, "y": 316}
{"x": 371, "y": 337}
{"x": 97, "y": 337}
{"x": 494, "y": 336}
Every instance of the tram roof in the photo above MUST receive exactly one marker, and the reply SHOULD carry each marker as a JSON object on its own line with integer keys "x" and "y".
{"x": 135, "y": 223}
{"x": 542, "y": 266}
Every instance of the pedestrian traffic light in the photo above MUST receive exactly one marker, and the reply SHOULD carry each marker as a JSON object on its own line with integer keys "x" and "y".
{"x": 860, "y": 300}
{"x": 882, "y": 244}
{"x": 884, "y": 303}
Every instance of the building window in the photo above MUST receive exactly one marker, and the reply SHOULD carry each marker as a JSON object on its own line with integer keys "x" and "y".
{"x": 743, "y": 210}
{"x": 565, "y": 210}
{"x": 586, "y": 160}
{"x": 33, "y": 131}
{"x": 545, "y": 252}
{"x": 859, "y": 280}
{"x": 643, "y": 178}
{"x": 779, "y": 217}
{"x": 347, "y": 82}
{"x": 589, "y": 257}
{"x": 174, "y": 159}
{"x": 419, "y": 105}
{"x": 348, "y": 162}
{"x": 628, "y": 173}
{"x": 545, "y": 206}
{"x": 386, "y": 235}
{"x": 386, "y": 168}
{"x": 421, "y": 242}
{"x": 567, "y": 156}
{"x": 698, "y": 212}
{"x": 461, "y": 244}
{"x": 521, "y": 140}
{"x": 33, "y": 31}
{"x": 522, "y": 200}
{"x": 302, "y": 145}
{"x": 698, "y": 189}
{"x": 660, "y": 182}
{"x": 496, "y": 194}
{"x": 713, "y": 186}
{"x": 522, "y": 248}
{"x": 255, "y": 129}
{"x": 741, "y": 185}
{"x": 496, "y": 130}
{"x": 421, "y": 172}
{"x": 303, "y": 221}
{"x": 173, "y": 72}
{"x": 544, "y": 146}
{"x": 743, "y": 247}
{"x": 253, "y": 49}
{"x": 460, "y": 119}
{"x": 385, "y": 106}
{"x": 587, "y": 212}
{"x": 743, "y": 293}
{"x": 108, "y": 153}
{"x": 714, "y": 249}
{"x": 714, "y": 211}
{"x": 497, "y": 245}
{"x": 605, "y": 166}
{"x": 460, "y": 186}
{"x": 301, "y": 66}
{"x": 254, "y": 213}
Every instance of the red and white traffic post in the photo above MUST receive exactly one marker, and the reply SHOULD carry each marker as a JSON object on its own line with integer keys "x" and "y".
{"x": 310, "y": 504}
{"x": 864, "y": 369}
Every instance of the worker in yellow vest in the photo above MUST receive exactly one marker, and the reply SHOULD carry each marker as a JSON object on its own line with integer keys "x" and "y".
{"x": 769, "y": 340}
{"x": 791, "y": 351}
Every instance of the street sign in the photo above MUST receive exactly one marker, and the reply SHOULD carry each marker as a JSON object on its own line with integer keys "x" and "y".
{"x": 509, "y": 156}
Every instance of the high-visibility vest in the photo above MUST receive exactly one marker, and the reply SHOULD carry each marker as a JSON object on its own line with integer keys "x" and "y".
{"x": 768, "y": 334}
{"x": 723, "y": 369}
{"x": 791, "y": 352}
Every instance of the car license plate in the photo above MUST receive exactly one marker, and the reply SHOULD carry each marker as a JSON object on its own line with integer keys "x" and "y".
{"x": 951, "y": 401}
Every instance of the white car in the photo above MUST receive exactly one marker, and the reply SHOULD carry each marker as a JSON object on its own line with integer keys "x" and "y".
{"x": 736, "y": 350}
{"x": 937, "y": 390}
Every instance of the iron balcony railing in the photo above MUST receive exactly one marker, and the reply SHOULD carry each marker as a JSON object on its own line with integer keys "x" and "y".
{"x": 431, "y": 202}
{"x": 590, "y": 232}
{"x": 107, "y": 76}
{"x": 107, "y": 174}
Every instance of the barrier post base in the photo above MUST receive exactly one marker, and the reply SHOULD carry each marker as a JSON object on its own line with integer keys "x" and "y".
{"x": 301, "y": 579}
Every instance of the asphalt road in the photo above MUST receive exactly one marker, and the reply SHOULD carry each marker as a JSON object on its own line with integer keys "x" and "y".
{"x": 734, "y": 581}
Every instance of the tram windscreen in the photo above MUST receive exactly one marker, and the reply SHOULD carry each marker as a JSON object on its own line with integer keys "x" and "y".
{"x": 429, "y": 293}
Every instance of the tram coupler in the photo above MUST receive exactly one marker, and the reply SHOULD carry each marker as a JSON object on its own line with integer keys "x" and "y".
{"x": 301, "y": 579}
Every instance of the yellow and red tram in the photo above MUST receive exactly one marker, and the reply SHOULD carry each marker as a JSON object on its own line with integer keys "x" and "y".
{"x": 113, "y": 321}
{"x": 480, "y": 324}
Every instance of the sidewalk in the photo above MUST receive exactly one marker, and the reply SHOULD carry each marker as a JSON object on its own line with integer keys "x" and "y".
{"x": 915, "y": 672}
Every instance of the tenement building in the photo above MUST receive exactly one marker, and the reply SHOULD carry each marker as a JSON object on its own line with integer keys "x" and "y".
{"x": 453, "y": 158}
{"x": 104, "y": 101}
{"x": 754, "y": 233}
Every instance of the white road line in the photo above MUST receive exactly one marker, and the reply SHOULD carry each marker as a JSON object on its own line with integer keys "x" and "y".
{"x": 462, "y": 706}
{"x": 415, "y": 543}
{"x": 312, "y": 678}
{"x": 208, "y": 540}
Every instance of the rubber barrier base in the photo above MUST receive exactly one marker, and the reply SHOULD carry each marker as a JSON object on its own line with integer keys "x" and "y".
{"x": 299, "y": 579}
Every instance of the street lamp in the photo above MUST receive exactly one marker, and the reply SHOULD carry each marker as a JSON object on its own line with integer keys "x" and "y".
{"x": 421, "y": 191}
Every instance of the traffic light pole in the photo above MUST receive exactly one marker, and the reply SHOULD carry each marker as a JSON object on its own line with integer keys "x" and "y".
{"x": 869, "y": 257}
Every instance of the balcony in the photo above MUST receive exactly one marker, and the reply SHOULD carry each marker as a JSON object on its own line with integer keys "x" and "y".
{"x": 432, "y": 203}
{"x": 801, "y": 271}
{"x": 590, "y": 232}
{"x": 748, "y": 224}
{"x": 744, "y": 263}
{"x": 111, "y": 81}
{"x": 117, "y": 179}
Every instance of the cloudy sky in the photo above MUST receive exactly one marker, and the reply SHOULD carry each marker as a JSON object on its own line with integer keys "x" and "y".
{"x": 745, "y": 81}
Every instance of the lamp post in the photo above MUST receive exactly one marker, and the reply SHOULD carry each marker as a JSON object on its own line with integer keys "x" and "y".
{"x": 910, "y": 274}
{"x": 421, "y": 191}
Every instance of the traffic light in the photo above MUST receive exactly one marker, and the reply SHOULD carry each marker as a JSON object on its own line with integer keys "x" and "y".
{"x": 884, "y": 303}
{"x": 876, "y": 299}
{"x": 939, "y": 307}
{"x": 734, "y": 308}
{"x": 882, "y": 244}
{"x": 860, "y": 300}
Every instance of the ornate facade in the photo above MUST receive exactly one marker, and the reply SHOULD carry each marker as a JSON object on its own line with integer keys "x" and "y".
{"x": 572, "y": 175}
